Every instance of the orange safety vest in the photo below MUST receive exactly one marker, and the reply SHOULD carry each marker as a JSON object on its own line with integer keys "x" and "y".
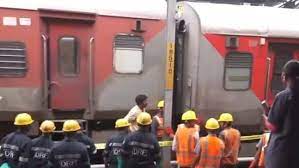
{"x": 211, "y": 152}
{"x": 231, "y": 138}
{"x": 186, "y": 143}
{"x": 265, "y": 140}
{"x": 160, "y": 129}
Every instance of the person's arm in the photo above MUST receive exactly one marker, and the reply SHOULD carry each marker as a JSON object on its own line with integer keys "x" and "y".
{"x": 174, "y": 143}
{"x": 85, "y": 159}
{"x": 106, "y": 152}
{"x": 157, "y": 152}
{"x": 24, "y": 156}
{"x": 255, "y": 162}
{"x": 276, "y": 114}
{"x": 93, "y": 148}
{"x": 154, "y": 126}
{"x": 2, "y": 157}
{"x": 197, "y": 158}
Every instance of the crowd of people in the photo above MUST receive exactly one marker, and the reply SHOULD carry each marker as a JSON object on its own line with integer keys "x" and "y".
{"x": 135, "y": 145}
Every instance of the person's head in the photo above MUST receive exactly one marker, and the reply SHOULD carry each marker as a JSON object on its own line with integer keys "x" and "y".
{"x": 122, "y": 125}
{"x": 141, "y": 101}
{"x": 47, "y": 127}
{"x": 212, "y": 126}
{"x": 23, "y": 122}
{"x": 160, "y": 107}
{"x": 290, "y": 75}
{"x": 144, "y": 121}
{"x": 70, "y": 127}
{"x": 225, "y": 120}
{"x": 189, "y": 118}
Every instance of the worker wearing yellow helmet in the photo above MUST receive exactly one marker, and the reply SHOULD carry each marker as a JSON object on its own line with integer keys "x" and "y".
{"x": 41, "y": 146}
{"x": 210, "y": 148}
{"x": 112, "y": 153}
{"x": 141, "y": 148}
{"x": 69, "y": 152}
{"x": 186, "y": 139}
{"x": 231, "y": 138}
{"x": 157, "y": 127}
{"x": 15, "y": 147}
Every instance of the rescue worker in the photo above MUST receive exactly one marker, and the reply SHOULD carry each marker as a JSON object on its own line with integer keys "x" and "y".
{"x": 141, "y": 103}
{"x": 186, "y": 139}
{"x": 69, "y": 153}
{"x": 41, "y": 146}
{"x": 15, "y": 147}
{"x": 210, "y": 149}
{"x": 157, "y": 127}
{"x": 259, "y": 159}
{"x": 112, "y": 152}
{"x": 283, "y": 149}
{"x": 141, "y": 148}
{"x": 87, "y": 141}
{"x": 231, "y": 138}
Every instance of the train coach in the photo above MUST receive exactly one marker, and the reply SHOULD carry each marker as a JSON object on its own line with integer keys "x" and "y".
{"x": 89, "y": 59}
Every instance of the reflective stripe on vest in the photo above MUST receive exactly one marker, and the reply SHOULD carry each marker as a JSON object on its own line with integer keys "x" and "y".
{"x": 265, "y": 140}
{"x": 211, "y": 152}
{"x": 186, "y": 143}
{"x": 232, "y": 145}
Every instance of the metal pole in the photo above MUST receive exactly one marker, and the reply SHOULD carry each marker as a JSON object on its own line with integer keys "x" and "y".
{"x": 169, "y": 82}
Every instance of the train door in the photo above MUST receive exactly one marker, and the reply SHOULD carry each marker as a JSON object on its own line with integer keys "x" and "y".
{"x": 279, "y": 54}
{"x": 69, "y": 49}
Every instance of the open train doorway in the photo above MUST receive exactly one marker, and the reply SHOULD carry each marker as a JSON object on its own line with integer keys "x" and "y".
{"x": 279, "y": 55}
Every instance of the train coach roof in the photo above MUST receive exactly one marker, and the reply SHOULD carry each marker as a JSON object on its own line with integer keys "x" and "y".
{"x": 149, "y": 9}
{"x": 246, "y": 20}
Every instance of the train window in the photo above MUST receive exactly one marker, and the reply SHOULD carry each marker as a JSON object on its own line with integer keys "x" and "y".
{"x": 12, "y": 59}
{"x": 281, "y": 58}
{"x": 128, "y": 54}
{"x": 237, "y": 72}
{"x": 68, "y": 56}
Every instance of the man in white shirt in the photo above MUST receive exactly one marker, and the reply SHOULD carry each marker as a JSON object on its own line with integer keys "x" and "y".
{"x": 141, "y": 103}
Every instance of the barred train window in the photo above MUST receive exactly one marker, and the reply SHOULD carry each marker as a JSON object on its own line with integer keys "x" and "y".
{"x": 68, "y": 56}
{"x": 12, "y": 59}
{"x": 237, "y": 73}
{"x": 128, "y": 54}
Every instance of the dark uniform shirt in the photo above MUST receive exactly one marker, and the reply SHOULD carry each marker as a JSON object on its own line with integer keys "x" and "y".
{"x": 113, "y": 150}
{"x": 88, "y": 142}
{"x": 40, "y": 150}
{"x": 283, "y": 146}
{"x": 141, "y": 150}
{"x": 69, "y": 154}
{"x": 15, "y": 149}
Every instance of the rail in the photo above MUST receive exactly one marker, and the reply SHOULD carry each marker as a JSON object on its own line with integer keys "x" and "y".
{"x": 174, "y": 163}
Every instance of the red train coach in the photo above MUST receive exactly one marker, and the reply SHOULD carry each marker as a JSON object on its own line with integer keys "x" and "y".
{"x": 229, "y": 59}
{"x": 80, "y": 59}
{"x": 88, "y": 60}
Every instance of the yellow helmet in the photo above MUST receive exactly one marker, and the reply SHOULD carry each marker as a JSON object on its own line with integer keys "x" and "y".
{"x": 144, "y": 118}
{"x": 160, "y": 104}
{"x": 189, "y": 115}
{"x": 23, "y": 119}
{"x": 47, "y": 126}
{"x": 71, "y": 126}
{"x": 212, "y": 124}
{"x": 226, "y": 117}
{"x": 120, "y": 123}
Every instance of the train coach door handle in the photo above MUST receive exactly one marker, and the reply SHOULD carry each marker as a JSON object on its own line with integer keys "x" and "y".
{"x": 91, "y": 76}
{"x": 45, "y": 72}
{"x": 268, "y": 76}
{"x": 53, "y": 83}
